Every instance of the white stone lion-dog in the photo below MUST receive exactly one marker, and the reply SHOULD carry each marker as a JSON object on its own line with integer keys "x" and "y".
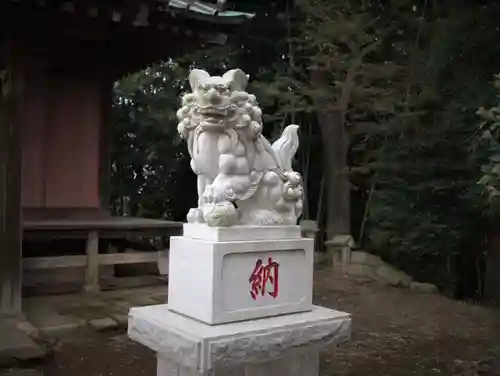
{"x": 242, "y": 178}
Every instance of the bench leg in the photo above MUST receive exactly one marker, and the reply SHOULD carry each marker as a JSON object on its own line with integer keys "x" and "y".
{"x": 92, "y": 269}
{"x": 163, "y": 262}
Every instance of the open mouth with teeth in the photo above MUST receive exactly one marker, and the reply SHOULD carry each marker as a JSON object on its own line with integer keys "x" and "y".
{"x": 213, "y": 115}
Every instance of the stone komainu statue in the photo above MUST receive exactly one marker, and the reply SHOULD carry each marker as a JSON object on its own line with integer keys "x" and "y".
{"x": 242, "y": 178}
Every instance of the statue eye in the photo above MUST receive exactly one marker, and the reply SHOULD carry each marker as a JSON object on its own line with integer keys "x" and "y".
{"x": 222, "y": 88}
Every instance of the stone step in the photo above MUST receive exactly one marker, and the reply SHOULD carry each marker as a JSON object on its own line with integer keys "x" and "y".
{"x": 16, "y": 345}
{"x": 20, "y": 372}
{"x": 364, "y": 265}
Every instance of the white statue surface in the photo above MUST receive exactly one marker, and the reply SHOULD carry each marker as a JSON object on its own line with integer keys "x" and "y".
{"x": 242, "y": 178}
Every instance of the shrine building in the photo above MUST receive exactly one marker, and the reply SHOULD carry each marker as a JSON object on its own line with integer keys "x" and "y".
{"x": 58, "y": 63}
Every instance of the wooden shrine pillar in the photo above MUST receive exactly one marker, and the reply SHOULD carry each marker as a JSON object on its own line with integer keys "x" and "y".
{"x": 106, "y": 103}
{"x": 10, "y": 185}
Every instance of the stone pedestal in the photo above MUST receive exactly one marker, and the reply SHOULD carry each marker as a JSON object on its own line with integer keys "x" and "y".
{"x": 297, "y": 363}
{"x": 240, "y": 303}
{"x": 282, "y": 345}
{"x": 249, "y": 276}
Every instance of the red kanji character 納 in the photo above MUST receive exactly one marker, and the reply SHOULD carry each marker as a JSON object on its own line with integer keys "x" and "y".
{"x": 261, "y": 276}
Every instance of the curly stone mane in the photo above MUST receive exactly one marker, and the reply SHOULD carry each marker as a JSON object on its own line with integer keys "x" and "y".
{"x": 244, "y": 114}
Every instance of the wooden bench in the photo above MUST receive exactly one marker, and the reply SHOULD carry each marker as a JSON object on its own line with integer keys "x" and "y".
{"x": 92, "y": 230}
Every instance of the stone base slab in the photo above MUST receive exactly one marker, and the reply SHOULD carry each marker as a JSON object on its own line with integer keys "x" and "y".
{"x": 299, "y": 362}
{"x": 192, "y": 346}
{"x": 240, "y": 233}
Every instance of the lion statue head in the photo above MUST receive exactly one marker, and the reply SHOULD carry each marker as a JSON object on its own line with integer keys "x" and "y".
{"x": 219, "y": 103}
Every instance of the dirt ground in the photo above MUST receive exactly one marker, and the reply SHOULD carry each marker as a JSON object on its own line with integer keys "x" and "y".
{"x": 395, "y": 332}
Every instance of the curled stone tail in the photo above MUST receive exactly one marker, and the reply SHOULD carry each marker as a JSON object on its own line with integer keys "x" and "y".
{"x": 286, "y": 146}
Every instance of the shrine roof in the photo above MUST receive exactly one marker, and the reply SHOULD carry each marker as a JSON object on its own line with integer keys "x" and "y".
{"x": 201, "y": 8}
{"x": 145, "y": 10}
{"x": 91, "y": 35}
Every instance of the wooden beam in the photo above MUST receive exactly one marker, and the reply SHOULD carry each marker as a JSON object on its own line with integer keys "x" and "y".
{"x": 54, "y": 262}
{"x": 92, "y": 270}
{"x": 163, "y": 263}
{"x": 128, "y": 258}
{"x": 75, "y": 261}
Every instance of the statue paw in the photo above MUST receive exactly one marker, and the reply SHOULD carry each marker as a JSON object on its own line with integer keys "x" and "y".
{"x": 195, "y": 215}
{"x": 222, "y": 214}
{"x": 215, "y": 194}
{"x": 211, "y": 196}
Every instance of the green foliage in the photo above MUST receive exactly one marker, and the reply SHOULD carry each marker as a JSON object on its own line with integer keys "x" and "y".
{"x": 427, "y": 211}
{"x": 407, "y": 78}
{"x": 355, "y": 48}
{"x": 490, "y": 143}
{"x": 423, "y": 214}
{"x": 148, "y": 161}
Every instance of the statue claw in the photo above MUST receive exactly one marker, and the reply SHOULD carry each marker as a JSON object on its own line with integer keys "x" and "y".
{"x": 222, "y": 214}
{"x": 195, "y": 215}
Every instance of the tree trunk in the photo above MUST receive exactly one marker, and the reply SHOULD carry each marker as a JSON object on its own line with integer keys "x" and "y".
{"x": 335, "y": 148}
{"x": 335, "y": 142}
{"x": 492, "y": 272}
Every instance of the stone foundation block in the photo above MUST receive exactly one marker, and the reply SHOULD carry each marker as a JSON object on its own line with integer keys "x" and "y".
{"x": 282, "y": 345}
{"x": 217, "y": 281}
{"x": 299, "y": 362}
